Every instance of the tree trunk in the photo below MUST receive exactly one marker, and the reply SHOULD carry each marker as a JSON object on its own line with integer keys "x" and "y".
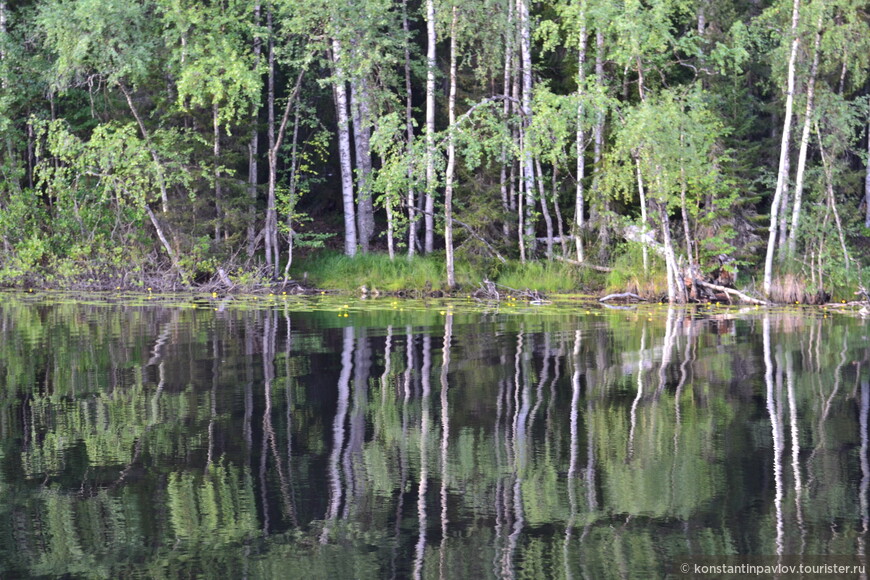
{"x": 515, "y": 171}
{"x": 867, "y": 183}
{"x": 4, "y": 82}
{"x": 829, "y": 186}
{"x": 340, "y": 91}
{"x": 173, "y": 257}
{"x": 598, "y": 149}
{"x": 580, "y": 201}
{"x": 254, "y": 151}
{"x": 683, "y": 206}
{"x": 783, "y": 213}
{"x": 164, "y": 198}
{"x": 429, "y": 217}
{"x": 643, "y": 217}
{"x": 560, "y": 231}
{"x": 782, "y": 175}
{"x": 451, "y": 158}
{"x": 548, "y": 221}
{"x": 506, "y": 108}
{"x": 675, "y": 292}
{"x": 528, "y": 170}
{"x": 409, "y": 129}
{"x": 270, "y": 228}
{"x": 359, "y": 104}
{"x": 275, "y": 141}
{"x": 805, "y": 139}
{"x": 294, "y": 180}
{"x": 521, "y": 238}
{"x": 685, "y": 214}
{"x": 391, "y": 249}
{"x": 215, "y": 110}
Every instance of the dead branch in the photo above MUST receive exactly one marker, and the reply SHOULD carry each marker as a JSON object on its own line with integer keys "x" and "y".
{"x": 732, "y": 292}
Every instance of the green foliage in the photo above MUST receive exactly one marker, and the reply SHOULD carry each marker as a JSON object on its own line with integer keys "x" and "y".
{"x": 113, "y": 40}
{"x": 216, "y": 68}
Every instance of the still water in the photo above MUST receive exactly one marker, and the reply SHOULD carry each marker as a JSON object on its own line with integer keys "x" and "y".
{"x": 171, "y": 438}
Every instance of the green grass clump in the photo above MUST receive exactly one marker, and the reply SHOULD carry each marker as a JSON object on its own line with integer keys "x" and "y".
{"x": 628, "y": 275}
{"x": 334, "y": 270}
{"x": 547, "y": 277}
{"x": 375, "y": 271}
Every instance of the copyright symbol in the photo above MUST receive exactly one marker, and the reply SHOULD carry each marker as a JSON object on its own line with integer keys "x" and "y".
{"x": 684, "y": 568}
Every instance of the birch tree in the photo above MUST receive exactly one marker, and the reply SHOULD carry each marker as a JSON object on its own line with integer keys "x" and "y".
{"x": 805, "y": 134}
{"x": 347, "y": 191}
{"x": 431, "y": 70}
{"x": 451, "y": 155}
{"x": 785, "y": 143}
{"x": 526, "y": 160}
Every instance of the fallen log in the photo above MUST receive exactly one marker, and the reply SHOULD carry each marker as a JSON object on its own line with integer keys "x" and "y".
{"x": 732, "y": 292}
{"x": 621, "y": 295}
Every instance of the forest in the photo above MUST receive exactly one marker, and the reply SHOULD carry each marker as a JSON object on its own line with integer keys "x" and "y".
{"x": 639, "y": 144}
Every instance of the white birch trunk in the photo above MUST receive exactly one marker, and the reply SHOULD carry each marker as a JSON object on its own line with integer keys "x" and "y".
{"x": 675, "y": 285}
{"x": 362, "y": 143}
{"x": 429, "y": 217}
{"x": 782, "y": 175}
{"x": 643, "y": 217}
{"x": 350, "y": 238}
{"x": 506, "y": 108}
{"x": 867, "y": 183}
{"x": 217, "y": 171}
{"x": 270, "y": 228}
{"x": 409, "y": 129}
{"x": 560, "y": 230}
{"x": 451, "y": 159}
{"x": 548, "y": 220}
{"x": 580, "y": 200}
{"x": 294, "y": 168}
{"x": 805, "y": 139}
{"x": 253, "y": 151}
{"x": 528, "y": 165}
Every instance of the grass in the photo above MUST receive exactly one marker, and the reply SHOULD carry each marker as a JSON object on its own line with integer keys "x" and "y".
{"x": 548, "y": 277}
{"x": 336, "y": 271}
{"x": 628, "y": 274}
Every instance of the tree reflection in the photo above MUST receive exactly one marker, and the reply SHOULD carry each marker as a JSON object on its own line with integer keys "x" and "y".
{"x": 274, "y": 441}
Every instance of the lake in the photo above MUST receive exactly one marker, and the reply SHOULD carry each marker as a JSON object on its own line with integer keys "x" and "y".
{"x": 168, "y": 437}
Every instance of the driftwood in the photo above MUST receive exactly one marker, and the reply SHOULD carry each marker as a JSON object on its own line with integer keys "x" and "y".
{"x": 488, "y": 291}
{"x": 731, "y": 292}
{"x": 621, "y": 295}
{"x": 222, "y": 274}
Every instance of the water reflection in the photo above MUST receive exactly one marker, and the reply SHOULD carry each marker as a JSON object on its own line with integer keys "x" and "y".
{"x": 172, "y": 441}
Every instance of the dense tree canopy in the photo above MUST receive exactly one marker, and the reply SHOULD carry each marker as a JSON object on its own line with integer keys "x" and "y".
{"x": 176, "y": 138}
